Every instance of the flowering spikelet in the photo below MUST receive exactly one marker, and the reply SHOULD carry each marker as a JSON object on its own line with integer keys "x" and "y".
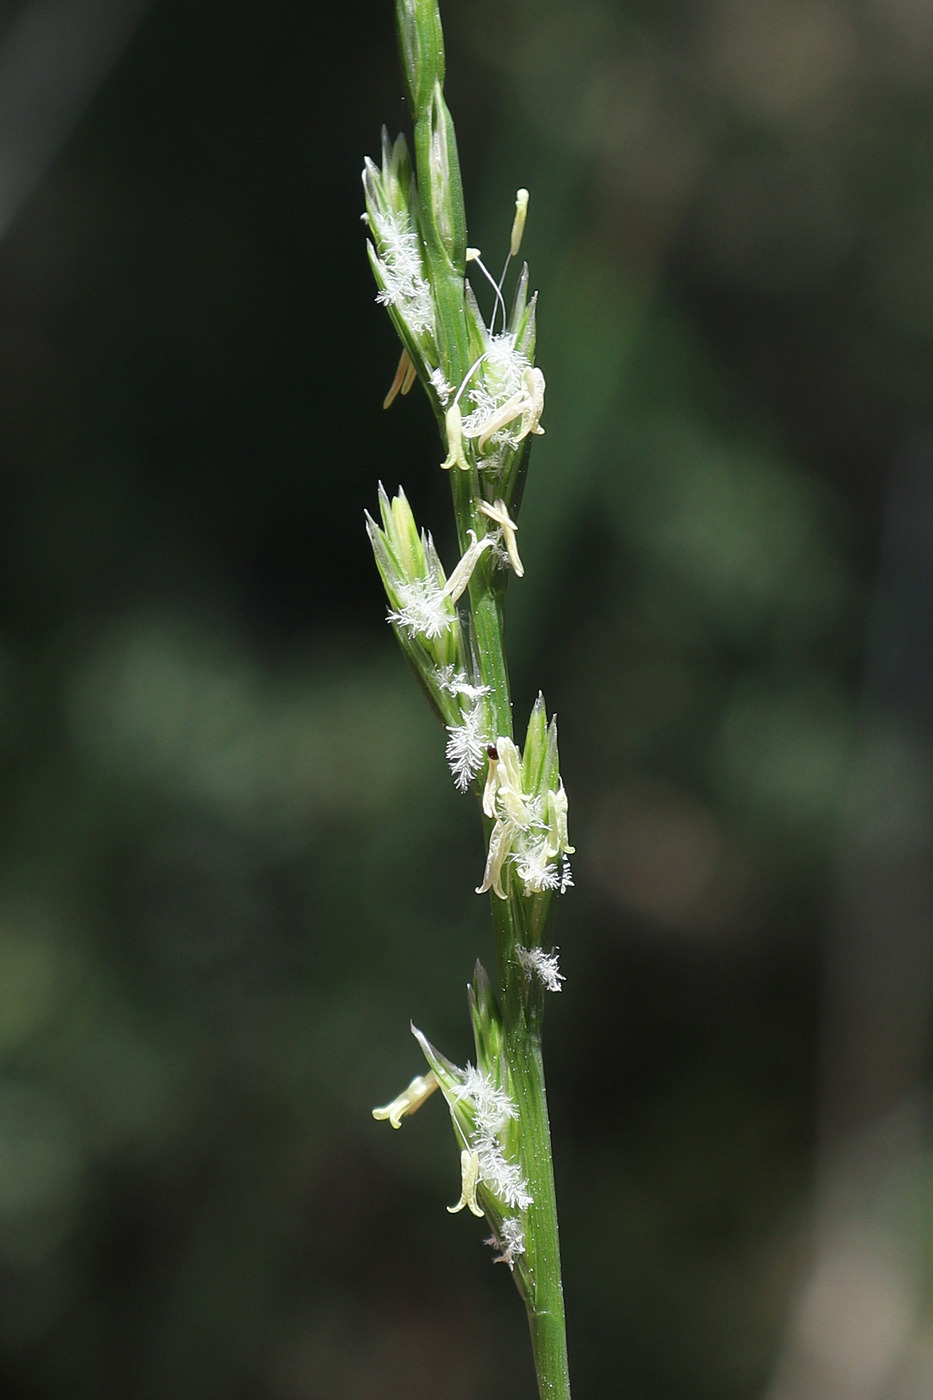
{"x": 484, "y": 1116}
{"x": 424, "y": 599}
{"x": 530, "y": 831}
{"x": 497, "y": 380}
{"x": 493, "y": 1108}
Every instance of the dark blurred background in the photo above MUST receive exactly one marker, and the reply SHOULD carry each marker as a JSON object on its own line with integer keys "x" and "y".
{"x": 232, "y": 864}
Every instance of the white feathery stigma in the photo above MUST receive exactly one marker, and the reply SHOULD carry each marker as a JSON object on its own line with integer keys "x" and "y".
{"x": 456, "y": 683}
{"x": 510, "y": 1241}
{"x": 466, "y": 747}
{"x": 501, "y": 380}
{"x": 423, "y": 608}
{"x": 536, "y": 962}
{"x": 566, "y": 876}
{"x": 426, "y": 604}
{"x": 400, "y": 264}
{"x": 440, "y": 386}
{"x": 493, "y": 1109}
{"x": 535, "y": 867}
{"x": 504, "y": 1179}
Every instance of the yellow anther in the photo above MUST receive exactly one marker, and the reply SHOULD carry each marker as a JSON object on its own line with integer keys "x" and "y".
{"x": 491, "y": 789}
{"x": 527, "y": 403}
{"x": 498, "y": 512}
{"x": 453, "y": 422}
{"x": 469, "y": 1172}
{"x": 459, "y": 580}
{"x": 409, "y": 1100}
{"x": 518, "y": 223}
{"x": 405, "y": 376}
{"x": 533, "y": 384}
{"x": 558, "y": 840}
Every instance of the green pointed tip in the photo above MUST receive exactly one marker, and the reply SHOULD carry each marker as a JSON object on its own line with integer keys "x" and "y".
{"x": 421, "y": 41}
{"x": 535, "y": 751}
{"x": 487, "y": 1019}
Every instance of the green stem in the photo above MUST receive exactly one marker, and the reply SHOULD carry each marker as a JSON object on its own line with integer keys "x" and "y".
{"x": 522, "y": 1011}
{"x": 516, "y": 921}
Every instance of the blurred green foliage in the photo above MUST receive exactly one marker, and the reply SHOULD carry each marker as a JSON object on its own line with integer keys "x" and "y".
{"x": 233, "y": 866}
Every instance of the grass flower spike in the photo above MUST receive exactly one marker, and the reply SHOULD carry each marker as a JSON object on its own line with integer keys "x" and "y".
{"x": 487, "y": 394}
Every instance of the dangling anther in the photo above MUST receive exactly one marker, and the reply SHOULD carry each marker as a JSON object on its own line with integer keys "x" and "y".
{"x": 518, "y": 223}
{"x": 405, "y": 376}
